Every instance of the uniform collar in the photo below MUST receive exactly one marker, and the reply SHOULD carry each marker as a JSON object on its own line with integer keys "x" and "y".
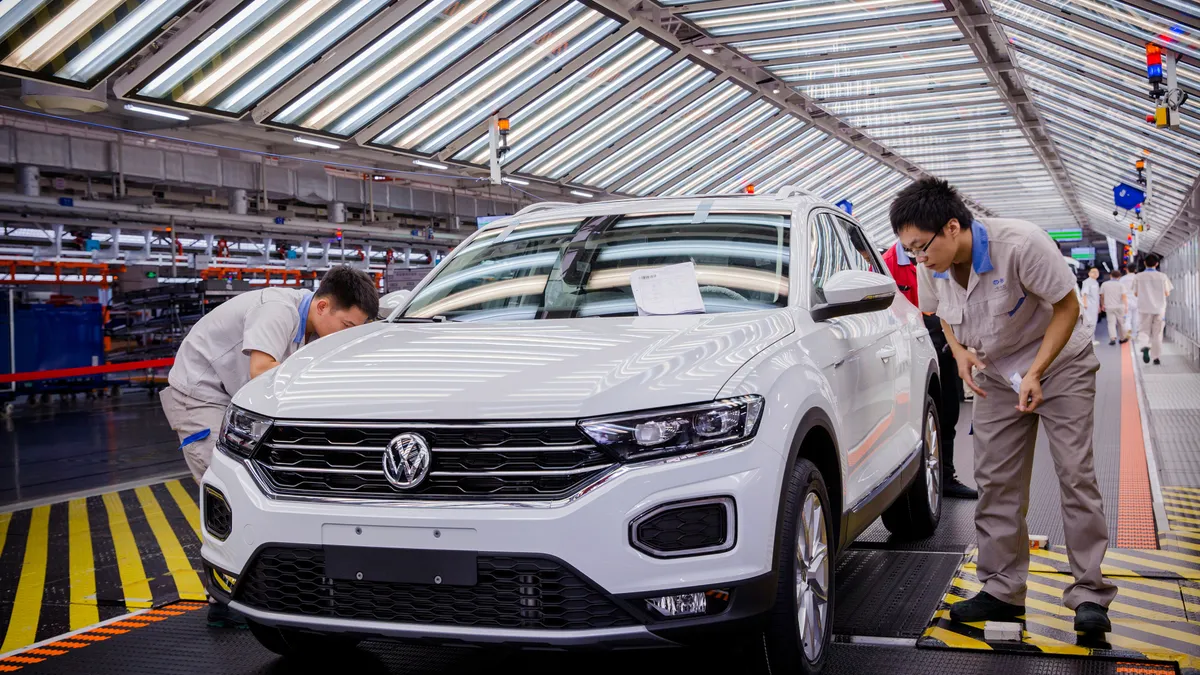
{"x": 902, "y": 257}
{"x": 303, "y": 309}
{"x": 981, "y": 255}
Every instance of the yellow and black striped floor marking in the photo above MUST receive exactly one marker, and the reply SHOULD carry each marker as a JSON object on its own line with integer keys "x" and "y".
{"x": 1154, "y": 619}
{"x": 85, "y": 638}
{"x": 1182, "y": 505}
{"x": 1175, "y": 560}
{"x": 73, "y": 564}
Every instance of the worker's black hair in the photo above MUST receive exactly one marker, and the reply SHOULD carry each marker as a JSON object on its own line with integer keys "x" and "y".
{"x": 348, "y": 287}
{"x": 1153, "y": 260}
{"x": 928, "y": 205}
{"x": 1115, "y": 274}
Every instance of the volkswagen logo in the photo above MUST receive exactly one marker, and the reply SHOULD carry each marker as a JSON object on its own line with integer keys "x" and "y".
{"x": 406, "y": 461}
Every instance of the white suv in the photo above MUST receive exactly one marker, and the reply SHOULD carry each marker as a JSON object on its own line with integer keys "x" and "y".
{"x": 523, "y": 455}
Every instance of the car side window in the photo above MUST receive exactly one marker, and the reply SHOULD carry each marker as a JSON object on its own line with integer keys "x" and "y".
{"x": 865, "y": 259}
{"x": 826, "y": 255}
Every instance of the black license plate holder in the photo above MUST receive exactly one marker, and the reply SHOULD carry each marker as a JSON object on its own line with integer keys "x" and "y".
{"x": 402, "y": 565}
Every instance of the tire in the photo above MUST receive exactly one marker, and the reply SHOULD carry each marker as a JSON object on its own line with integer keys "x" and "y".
{"x": 791, "y": 646}
{"x": 916, "y": 514}
{"x": 300, "y": 644}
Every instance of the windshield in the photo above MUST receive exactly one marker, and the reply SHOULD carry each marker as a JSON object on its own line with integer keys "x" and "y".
{"x": 579, "y": 267}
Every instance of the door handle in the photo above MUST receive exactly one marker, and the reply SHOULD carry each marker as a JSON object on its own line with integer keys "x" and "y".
{"x": 886, "y": 353}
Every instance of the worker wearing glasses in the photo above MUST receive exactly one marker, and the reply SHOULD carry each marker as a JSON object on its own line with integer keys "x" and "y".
{"x": 1000, "y": 287}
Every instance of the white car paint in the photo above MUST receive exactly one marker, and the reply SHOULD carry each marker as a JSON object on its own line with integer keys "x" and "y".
{"x": 868, "y": 372}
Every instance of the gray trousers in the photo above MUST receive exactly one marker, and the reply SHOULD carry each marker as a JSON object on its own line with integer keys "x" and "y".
{"x": 1116, "y": 324}
{"x": 1151, "y": 334}
{"x": 1004, "y": 444}
{"x": 188, "y": 417}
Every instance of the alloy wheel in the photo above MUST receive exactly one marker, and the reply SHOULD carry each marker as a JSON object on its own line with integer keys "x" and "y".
{"x": 812, "y": 577}
{"x": 933, "y": 463}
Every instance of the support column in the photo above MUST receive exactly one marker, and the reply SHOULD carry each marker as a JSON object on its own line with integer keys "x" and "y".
{"x": 28, "y": 181}
{"x": 58, "y": 237}
{"x": 239, "y": 203}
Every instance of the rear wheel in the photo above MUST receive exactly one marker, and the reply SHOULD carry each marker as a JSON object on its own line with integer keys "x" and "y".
{"x": 294, "y": 643}
{"x": 916, "y": 514}
{"x": 801, "y": 624}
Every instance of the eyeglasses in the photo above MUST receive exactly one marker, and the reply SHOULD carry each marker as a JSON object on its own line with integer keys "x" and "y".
{"x": 913, "y": 253}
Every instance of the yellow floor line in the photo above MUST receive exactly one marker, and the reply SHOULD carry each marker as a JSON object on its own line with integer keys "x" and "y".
{"x": 187, "y": 504}
{"x": 1175, "y": 555}
{"x": 83, "y": 611}
{"x": 1109, "y": 570}
{"x": 952, "y": 639}
{"x": 1186, "y": 572}
{"x": 1181, "y": 489}
{"x": 4, "y": 520}
{"x": 1151, "y": 650}
{"x": 1176, "y": 505}
{"x": 1181, "y": 544}
{"x": 27, "y": 604}
{"x": 1173, "y": 514}
{"x": 187, "y": 582}
{"x": 134, "y": 584}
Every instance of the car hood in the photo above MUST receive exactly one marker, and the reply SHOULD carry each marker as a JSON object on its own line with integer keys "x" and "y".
{"x": 546, "y": 369}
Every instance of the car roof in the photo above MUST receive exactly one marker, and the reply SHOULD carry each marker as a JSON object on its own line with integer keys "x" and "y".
{"x": 787, "y": 198}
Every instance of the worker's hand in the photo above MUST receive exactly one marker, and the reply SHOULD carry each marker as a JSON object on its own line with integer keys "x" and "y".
{"x": 1030, "y": 395}
{"x": 966, "y": 360}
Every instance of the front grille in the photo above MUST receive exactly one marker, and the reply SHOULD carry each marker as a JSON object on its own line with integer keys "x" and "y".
{"x": 468, "y": 461}
{"x": 511, "y": 592}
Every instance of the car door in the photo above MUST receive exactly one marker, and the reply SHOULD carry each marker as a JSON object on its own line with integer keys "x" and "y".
{"x": 854, "y": 353}
{"x": 901, "y": 435}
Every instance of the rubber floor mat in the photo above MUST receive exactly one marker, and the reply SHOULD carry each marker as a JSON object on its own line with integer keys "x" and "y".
{"x": 889, "y": 593}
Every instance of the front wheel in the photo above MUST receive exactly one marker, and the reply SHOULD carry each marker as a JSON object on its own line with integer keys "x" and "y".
{"x": 916, "y": 514}
{"x": 294, "y": 643}
{"x": 801, "y": 624}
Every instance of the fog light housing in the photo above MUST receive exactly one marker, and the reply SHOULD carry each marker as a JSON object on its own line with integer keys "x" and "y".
{"x": 674, "y": 606}
{"x": 218, "y": 516}
{"x": 219, "y": 582}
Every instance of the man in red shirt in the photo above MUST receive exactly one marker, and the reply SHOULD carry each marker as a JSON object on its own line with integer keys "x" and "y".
{"x": 905, "y": 273}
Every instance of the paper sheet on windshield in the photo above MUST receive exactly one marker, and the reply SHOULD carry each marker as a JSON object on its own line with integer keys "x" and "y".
{"x": 661, "y": 291}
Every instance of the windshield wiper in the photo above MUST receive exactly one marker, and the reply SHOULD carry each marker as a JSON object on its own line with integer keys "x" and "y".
{"x": 421, "y": 319}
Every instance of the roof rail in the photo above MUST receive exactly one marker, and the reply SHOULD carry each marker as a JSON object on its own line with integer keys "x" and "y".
{"x": 542, "y": 206}
{"x": 791, "y": 191}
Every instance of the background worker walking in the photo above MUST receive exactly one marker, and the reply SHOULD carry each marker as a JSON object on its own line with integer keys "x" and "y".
{"x": 904, "y": 271}
{"x": 1152, "y": 288}
{"x": 1001, "y": 287}
{"x": 1129, "y": 280}
{"x": 1114, "y": 302}
{"x": 1089, "y": 293}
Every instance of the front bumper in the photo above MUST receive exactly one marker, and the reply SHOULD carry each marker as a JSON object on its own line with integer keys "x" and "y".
{"x": 590, "y": 534}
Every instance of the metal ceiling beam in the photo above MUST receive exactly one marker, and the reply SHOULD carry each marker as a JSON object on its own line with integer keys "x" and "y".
{"x": 1183, "y": 214}
{"x": 621, "y": 94}
{"x": 813, "y": 30}
{"x": 460, "y": 68}
{"x": 905, "y": 92}
{"x": 973, "y": 18}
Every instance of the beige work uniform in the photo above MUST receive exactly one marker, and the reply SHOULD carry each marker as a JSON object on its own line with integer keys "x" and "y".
{"x": 214, "y": 362}
{"x": 1112, "y": 292}
{"x": 1152, "y": 288}
{"x": 1017, "y": 273}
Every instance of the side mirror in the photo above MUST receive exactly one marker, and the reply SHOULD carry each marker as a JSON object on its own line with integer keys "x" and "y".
{"x": 855, "y": 292}
{"x": 389, "y": 302}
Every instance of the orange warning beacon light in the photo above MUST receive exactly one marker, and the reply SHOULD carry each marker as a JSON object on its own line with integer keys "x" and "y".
{"x": 750, "y": 189}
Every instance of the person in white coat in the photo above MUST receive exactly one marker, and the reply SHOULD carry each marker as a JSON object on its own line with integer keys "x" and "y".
{"x": 1090, "y": 295}
{"x": 1129, "y": 281}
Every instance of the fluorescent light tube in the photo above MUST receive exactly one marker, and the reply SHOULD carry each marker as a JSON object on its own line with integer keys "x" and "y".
{"x": 319, "y": 144}
{"x": 155, "y": 112}
{"x": 515, "y": 181}
{"x": 430, "y": 165}
{"x": 581, "y": 193}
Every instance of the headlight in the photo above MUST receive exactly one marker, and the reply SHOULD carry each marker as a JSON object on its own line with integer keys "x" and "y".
{"x": 243, "y": 431}
{"x": 678, "y": 431}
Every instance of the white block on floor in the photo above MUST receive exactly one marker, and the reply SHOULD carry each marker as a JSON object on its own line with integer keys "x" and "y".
{"x": 1038, "y": 542}
{"x": 1001, "y": 631}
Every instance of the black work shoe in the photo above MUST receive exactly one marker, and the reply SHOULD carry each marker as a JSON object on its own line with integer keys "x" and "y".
{"x": 984, "y": 607}
{"x": 220, "y": 616}
{"x": 1092, "y": 618}
{"x": 1112, "y": 342}
{"x": 1125, "y": 340}
{"x": 1145, "y": 355}
{"x": 954, "y": 489}
{"x": 1157, "y": 362}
